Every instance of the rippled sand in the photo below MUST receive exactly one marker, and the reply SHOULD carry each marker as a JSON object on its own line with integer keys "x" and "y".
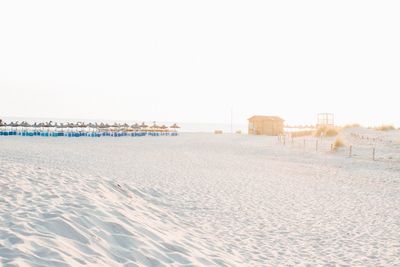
{"x": 193, "y": 200}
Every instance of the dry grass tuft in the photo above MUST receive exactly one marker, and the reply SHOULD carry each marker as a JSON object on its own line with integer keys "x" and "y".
{"x": 385, "y": 128}
{"x": 354, "y": 125}
{"x": 301, "y": 133}
{"x": 331, "y": 132}
{"x": 338, "y": 143}
{"x": 326, "y": 131}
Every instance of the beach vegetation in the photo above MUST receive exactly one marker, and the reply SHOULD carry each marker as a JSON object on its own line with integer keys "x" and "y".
{"x": 385, "y": 128}
{"x": 326, "y": 131}
{"x": 338, "y": 143}
{"x": 353, "y": 125}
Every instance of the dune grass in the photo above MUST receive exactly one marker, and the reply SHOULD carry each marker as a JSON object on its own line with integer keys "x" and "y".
{"x": 338, "y": 143}
{"x": 384, "y": 128}
{"x": 326, "y": 131}
{"x": 354, "y": 125}
{"x": 301, "y": 133}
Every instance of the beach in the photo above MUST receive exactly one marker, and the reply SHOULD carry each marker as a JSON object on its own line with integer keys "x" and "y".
{"x": 195, "y": 200}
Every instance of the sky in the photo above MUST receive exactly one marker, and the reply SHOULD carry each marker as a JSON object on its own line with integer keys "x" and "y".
{"x": 196, "y": 61}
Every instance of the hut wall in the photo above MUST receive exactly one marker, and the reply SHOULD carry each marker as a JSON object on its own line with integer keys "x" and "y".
{"x": 266, "y": 127}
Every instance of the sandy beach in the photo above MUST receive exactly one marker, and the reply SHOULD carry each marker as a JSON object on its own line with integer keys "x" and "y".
{"x": 194, "y": 200}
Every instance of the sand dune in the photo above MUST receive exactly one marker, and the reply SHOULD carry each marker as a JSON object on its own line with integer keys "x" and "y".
{"x": 63, "y": 218}
{"x": 194, "y": 200}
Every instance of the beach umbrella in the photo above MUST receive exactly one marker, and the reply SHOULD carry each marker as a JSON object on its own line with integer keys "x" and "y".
{"x": 69, "y": 126}
{"x": 155, "y": 126}
{"x": 115, "y": 125}
{"x": 174, "y": 126}
{"x": 48, "y": 124}
{"x": 96, "y": 126}
{"x": 143, "y": 126}
{"x": 104, "y": 126}
{"x": 91, "y": 126}
{"x": 25, "y": 125}
{"x": 107, "y": 126}
{"x": 40, "y": 125}
{"x": 82, "y": 125}
{"x": 135, "y": 126}
{"x": 13, "y": 124}
{"x": 20, "y": 124}
{"x": 61, "y": 127}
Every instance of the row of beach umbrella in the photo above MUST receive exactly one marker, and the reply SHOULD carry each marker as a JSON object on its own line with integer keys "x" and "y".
{"x": 87, "y": 127}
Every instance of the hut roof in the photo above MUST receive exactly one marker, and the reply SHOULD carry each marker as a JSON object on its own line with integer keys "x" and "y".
{"x": 265, "y": 118}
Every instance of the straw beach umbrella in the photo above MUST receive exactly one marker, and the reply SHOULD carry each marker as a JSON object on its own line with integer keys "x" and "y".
{"x": 41, "y": 126}
{"x": 155, "y": 127}
{"x": 105, "y": 126}
{"x": 70, "y": 126}
{"x": 5, "y": 125}
{"x": 143, "y": 126}
{"x": 115, "y": 126}
{"x": 2, "y": 124}
{"x": 91, "y": 127}
{"x": 60, "y": 127}
{"x": 174, "y": 126}
{"x": 125, "y": 127}
{"x": 135, "y": 126}
{"x": 163, "y": 127}
{"x": 13, "y": 124}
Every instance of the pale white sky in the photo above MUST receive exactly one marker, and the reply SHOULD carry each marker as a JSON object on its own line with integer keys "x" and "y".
{"x": 192, "y": 61}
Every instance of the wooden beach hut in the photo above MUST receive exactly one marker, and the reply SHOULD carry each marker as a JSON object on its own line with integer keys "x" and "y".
{"x": 266, "y": 125}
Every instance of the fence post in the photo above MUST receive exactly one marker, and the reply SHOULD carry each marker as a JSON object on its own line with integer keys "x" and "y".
{"x": 304, "y": 144}
{"x": 331, "y": 147}
{"x": 350, "y": 150}
{"x": 373, "y": 153}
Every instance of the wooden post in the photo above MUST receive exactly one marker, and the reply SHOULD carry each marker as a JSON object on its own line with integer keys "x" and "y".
{"x": 316, "y": 145}
{"x": 331, "y": 147}
{"x": 350, "y": 150}
{"x": 304, "y": 144}
{"x": 373, "y": 154}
